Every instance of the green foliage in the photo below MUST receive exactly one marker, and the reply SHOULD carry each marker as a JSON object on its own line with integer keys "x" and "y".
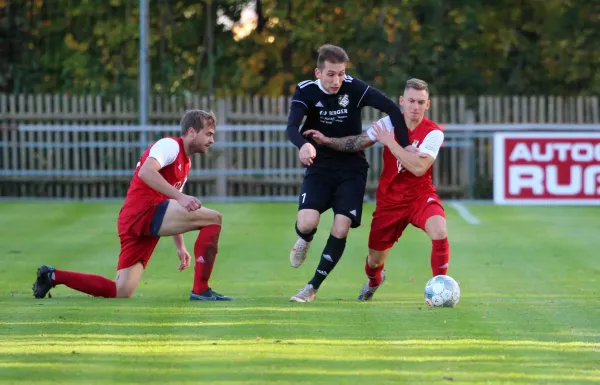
{"x": 469, "y": 47}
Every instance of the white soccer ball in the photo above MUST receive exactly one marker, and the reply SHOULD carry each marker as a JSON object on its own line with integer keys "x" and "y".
{"x": 442, "y": 291}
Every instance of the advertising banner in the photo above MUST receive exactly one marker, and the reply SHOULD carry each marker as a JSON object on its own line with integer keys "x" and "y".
{"x": 547, "y": 168}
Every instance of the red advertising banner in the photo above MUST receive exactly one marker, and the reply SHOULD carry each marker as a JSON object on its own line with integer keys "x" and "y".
{"x": 547, "y": 168}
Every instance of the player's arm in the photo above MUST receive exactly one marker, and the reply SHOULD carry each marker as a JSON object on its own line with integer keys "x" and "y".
{"x": 163, "y": 153}
{"x": 375, "y": 98}
{"x": 149, "y": 173}
{"x": 298, "y": 109}
{"x": 179, "y": 243}
{"x": 178, "y": 238}
{"x": 353, "y": 143}
{"x": 184, "y": 256}
{"x": 416, "y": 163}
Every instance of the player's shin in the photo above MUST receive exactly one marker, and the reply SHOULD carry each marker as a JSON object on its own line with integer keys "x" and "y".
{"x": 205, "y": 253}
{"x": 374, "y": 274}
{"x": 440, "y": 256}
{"x": 332, "y": 253}
{"x": 92, "y": 284}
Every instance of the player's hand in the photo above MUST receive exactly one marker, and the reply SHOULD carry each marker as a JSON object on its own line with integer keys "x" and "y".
{"x": 317, "y": 136}
{"x": 414, "y": 150}
{"x": 184, "y": 258}
{"x": 307, "y": 154}
{"x": 189, "y": 202}
{"x": 382, "y": 134}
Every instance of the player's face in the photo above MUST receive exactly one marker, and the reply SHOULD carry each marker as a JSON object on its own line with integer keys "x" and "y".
{"x": 415, "y": 103}
{"x": 203, "y": 139}
{"x": 332, "y": 76}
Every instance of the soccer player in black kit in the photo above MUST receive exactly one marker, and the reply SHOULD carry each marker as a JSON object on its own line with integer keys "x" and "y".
{"x": 336, "y": 175}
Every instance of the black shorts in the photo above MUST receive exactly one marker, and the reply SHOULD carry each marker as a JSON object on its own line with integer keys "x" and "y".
{"x": 158, "y": 217}
{"x": 341, "y": 190}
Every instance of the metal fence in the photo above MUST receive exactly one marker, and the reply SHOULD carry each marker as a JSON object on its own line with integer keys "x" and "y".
{"x": 66, "y": 146}
{"x": 247, "y": 161}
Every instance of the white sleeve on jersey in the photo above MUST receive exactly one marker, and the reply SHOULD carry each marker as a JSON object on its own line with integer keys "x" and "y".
{"x": 432, "y": 143}
{"x": 388, "y": 125}
{"x": 165, "y": 151}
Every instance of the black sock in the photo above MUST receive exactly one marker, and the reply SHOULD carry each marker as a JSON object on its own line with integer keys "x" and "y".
{"x": 331, "y": 255}
{"x": 308, "y": 237}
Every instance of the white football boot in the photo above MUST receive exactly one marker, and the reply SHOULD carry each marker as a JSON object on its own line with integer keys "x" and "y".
{"x": 367, "y": 292}
{"x": 307, "y": 294}
{"x": 299, "y": 252}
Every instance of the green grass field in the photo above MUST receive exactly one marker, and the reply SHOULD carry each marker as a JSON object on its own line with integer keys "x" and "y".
{"x": 529, "y": 312}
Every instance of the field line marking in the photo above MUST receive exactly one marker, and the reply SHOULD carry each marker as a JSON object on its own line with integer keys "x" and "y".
{"x": 465, "y": 213}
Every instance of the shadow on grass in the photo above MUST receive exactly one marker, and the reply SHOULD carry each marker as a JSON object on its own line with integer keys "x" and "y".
{"x": 245, "y": 367}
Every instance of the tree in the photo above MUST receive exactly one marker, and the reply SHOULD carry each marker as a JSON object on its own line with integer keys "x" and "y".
{"x": 468, "y": 47}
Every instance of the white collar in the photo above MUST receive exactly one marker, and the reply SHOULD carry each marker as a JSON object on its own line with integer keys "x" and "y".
{"x": 321, "y": 87}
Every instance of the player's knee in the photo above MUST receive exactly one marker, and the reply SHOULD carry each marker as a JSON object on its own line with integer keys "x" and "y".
{"x": 206, "y": 218}
{"x": 217, "y": 218}
{"x": 436, "y": 228}
{"x": 373, "y": 263}
{"x": 438, "y": 231}
{"x": 125, "y": 291}
{"x": 340, "y": 231}
{"x": 341, "y": 226}
{"x": 306, "y": 223}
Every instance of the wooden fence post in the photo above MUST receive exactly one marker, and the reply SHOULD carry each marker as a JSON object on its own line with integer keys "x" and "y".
{"x": 469, "y": 155}
{"x": 221, "y": 136}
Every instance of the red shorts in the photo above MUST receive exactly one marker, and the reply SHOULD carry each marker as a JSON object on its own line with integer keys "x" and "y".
{"x": 137, "y": 231}
{"x": 389, "y": 222}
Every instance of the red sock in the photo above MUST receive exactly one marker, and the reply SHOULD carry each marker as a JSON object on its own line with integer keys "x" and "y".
{"x": 91, "y": 284}
{"x": 440, "y": 255}
{"x": 205, "y": 253}
{"x": 374, "y": 274}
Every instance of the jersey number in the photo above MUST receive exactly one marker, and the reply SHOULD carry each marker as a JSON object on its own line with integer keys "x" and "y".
{"x": 303, "y": 197}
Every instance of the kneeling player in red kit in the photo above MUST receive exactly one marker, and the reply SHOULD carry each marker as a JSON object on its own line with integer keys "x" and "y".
{"x": 155, "y": 207}
{"x": 406, "y": 194}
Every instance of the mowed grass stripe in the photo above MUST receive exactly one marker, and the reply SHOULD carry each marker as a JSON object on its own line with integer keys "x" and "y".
{"x": 514, "y": 323}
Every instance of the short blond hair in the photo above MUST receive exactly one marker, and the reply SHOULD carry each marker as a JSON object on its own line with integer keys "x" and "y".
{"x": 197, "y": 119}
{"x": 417, "y": 84}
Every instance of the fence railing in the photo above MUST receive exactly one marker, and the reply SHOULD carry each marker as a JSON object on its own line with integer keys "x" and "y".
{"x": 249, "y": 161}
{"x": 77, "y": 146}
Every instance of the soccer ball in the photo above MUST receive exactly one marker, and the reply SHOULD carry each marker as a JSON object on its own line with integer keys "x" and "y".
{"x": 442, "y": 291}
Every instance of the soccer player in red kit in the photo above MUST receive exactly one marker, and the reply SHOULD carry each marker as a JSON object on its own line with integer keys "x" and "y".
{"x": 155, "y": 206}
{"x": 406, "y": 194}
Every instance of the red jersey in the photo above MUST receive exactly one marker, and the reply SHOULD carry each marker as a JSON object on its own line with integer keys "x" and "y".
{"x": 175, "y": 167}
{"x": 397, "y": 185}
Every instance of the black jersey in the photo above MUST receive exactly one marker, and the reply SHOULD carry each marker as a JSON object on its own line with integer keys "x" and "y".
{"x": 338, "y": 115}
